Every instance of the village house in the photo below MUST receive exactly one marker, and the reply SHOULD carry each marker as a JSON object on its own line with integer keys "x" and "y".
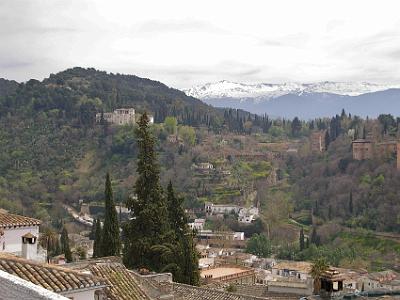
{"x": 248, "y": 215}
{"x": 215, "y": 209}
{"x": 220, "y": 235}
{"x": 197, "y": 224}
{"x": 71, "y": 284}
{"x": 228, "y": 274}
{"x": 18, "y": 235}
{"x": 294, "y": 269}
{"x": 13, "y": 287}
{"x": 385, "y": 280}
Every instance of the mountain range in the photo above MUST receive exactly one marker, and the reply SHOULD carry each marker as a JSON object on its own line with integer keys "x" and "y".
{"x": 304, "y": 100}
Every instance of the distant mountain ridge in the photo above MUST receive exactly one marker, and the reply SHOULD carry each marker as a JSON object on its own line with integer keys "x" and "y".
{"x": 305, "y": 100}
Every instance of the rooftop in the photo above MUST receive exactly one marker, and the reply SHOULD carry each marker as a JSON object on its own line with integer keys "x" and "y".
{"x": 13, "y": 287}
{"x": 301, "y": 266}
{"x": 11, "y": 220}
{"x": 122, "y": 284}
{"x": 50, "y": 277}
{"x": 222, "y": 271}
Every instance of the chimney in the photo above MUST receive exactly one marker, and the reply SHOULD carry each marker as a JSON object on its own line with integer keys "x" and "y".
{"x": 29, "y": 247}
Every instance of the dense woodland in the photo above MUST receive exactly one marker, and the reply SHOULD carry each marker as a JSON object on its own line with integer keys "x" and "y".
{"x": 53, "y": 152}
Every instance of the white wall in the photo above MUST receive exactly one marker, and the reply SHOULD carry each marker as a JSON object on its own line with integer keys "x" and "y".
{"x": 12, "y": 238}
{"x": 84, "y": 295}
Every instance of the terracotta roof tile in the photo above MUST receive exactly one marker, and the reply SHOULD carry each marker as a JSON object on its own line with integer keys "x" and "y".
{"x": 10, "y": 220}
{"x": 53, "y": 278}
{"x": 122, "y": 284}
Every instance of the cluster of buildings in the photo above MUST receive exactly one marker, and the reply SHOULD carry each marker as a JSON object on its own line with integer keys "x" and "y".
{"x": 121, "y": 116}
{"x": 245, "y": 215}
{"x": 24, "y": 272}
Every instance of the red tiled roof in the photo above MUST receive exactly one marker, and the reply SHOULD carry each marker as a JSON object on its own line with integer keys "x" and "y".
{"x": 11, "y": 220}
{"x": 122, "y": 285}
{"x": 50, "y": 277}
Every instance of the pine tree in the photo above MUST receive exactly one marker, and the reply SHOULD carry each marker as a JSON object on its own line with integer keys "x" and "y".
{"x": 149, "y": 223}
{"x": 110, "y": 240}
{"x": 301, "y": 241}
{"x": 97, "y": 239}
{"x": 64, "y": 240}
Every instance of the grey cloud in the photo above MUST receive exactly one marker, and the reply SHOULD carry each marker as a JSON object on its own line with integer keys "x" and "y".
{"x": 15, "y": 64}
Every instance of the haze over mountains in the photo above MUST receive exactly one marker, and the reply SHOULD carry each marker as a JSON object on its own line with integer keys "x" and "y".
{"x": 305, "y": 100}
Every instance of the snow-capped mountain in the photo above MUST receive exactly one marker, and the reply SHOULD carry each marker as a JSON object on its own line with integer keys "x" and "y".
{"x": 304, "y": 100}
{"x": 227, "y": 89}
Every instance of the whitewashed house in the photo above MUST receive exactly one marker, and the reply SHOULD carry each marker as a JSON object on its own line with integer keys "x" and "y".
{"x": 198, "y": 224}
{"x": 215, "y": 209}
{"x": 18, "y": 235}
{"x": 65, "y": 282}
{"x": 248, "y": 215}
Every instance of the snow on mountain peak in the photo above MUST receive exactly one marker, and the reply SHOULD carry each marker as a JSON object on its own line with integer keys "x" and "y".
{"x": 228, "y": 89}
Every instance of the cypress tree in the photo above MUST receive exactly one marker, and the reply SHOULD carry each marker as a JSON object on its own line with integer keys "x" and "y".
{"x": 64, "y": 240}
{"x": 314, "y": 239}
{"x": 97, "y": 239}
{"x": 327, "y": 139}
{"x": 351, "y": 203}
{"x": 110, "y": 240}
{"x": 188, "y": 263}
{"x": 149, "y": 223}
{"x": 301, "y": 241}
{"x": 93, "y": 231}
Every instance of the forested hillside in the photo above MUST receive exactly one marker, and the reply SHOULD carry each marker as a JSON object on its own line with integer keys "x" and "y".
{"x": 53, "y": 152}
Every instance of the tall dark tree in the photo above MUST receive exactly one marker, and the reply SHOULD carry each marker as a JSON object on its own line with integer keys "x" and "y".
{"x": 110, "y": 240}
{"x": 187, "y": 271}
{"x": 351, "y": 203}
{"x": 301, "y": 241}
{"x": 64, "y": 241}
{"x": 296, "y": 126}
{"x": 149, "y": 223}
{"x": 97, "y": 245}
{"x": 314, "y": 238}
{"x": 327, "y": 139}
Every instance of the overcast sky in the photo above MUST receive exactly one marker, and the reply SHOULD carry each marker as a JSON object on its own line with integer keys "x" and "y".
{"x": 184, "y": 43}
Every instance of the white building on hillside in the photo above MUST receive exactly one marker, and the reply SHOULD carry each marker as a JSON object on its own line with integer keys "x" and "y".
{"x": 121, "y": 116}
{"x": 215, "y": 209}
{"x": 248, "y": 215}
{"x": 198, "y": 224}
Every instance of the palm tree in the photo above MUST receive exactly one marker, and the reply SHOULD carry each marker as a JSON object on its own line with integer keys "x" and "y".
{"x": 318, "y": 267}
{"x": 49, "y": 240}
{"x": 169, "y": 255}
